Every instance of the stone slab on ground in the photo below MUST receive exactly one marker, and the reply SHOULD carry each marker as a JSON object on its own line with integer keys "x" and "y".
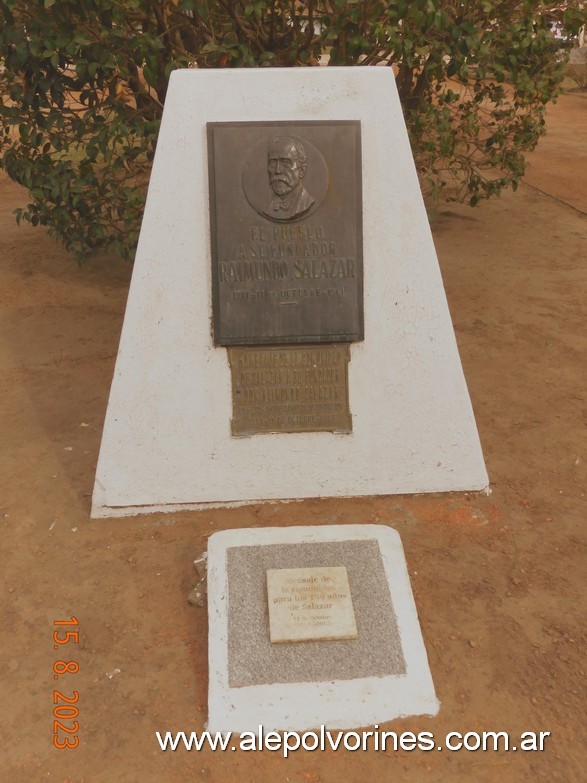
{"x": 380, "y": 675}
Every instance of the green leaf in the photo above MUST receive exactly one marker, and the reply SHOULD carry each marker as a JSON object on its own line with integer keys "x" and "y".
{"x": 116, "y": 57}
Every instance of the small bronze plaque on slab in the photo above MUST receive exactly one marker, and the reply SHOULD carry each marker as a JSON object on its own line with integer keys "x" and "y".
{"x": 286, "y": 232}
{"x": 292, "y": 388}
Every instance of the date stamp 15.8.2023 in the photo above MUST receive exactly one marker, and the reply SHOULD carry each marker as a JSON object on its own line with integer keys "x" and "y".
{"x": 65, "y": 711}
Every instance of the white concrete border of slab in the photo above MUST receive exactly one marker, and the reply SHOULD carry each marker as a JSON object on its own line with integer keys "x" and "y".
{"x": 338, "y": 704}
{"x": 166, "y": 443}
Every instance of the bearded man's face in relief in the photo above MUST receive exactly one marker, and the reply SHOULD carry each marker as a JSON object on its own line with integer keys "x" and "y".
{"x": 285, "y": 170}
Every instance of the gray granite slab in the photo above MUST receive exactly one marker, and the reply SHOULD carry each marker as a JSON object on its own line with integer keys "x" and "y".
{"x": 253, "y": 660}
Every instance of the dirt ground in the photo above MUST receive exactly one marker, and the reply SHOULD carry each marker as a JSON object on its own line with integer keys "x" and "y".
{"x": 499, "y": 580}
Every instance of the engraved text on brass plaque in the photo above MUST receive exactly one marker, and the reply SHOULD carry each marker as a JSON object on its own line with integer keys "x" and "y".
{"x": 286, "y": 232}
{"x": 290, "y": 389}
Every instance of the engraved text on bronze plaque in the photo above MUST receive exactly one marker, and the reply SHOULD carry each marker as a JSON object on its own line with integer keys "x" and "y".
{"x": 286, "y": 232}
{"x": 290, "y": 389}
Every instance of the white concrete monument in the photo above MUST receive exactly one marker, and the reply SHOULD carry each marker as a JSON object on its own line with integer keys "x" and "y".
{"x": 173, "y": 437}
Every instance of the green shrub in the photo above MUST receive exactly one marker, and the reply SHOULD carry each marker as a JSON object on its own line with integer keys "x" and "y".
{"x": 84, "y": 81}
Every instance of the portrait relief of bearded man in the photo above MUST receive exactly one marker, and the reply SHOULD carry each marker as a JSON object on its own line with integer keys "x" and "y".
{"x": 287, "y": 164}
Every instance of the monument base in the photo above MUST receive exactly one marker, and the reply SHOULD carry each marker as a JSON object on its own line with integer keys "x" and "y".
{"x": 381, "y": 674}
{"x": 408, "y": 426}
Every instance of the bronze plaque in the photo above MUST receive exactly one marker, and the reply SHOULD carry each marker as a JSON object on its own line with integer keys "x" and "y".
{"x": 286, "y": 231}
{"x": 290, "y": 388}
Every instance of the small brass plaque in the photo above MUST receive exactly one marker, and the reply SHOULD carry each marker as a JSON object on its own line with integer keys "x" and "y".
{"x": 290, "y": 389}
{"x": 286, "y": 232}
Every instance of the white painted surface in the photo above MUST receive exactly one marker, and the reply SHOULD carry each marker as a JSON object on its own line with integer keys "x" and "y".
{"x": 166, "y": 441}
{"x": 338, "y": 704}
